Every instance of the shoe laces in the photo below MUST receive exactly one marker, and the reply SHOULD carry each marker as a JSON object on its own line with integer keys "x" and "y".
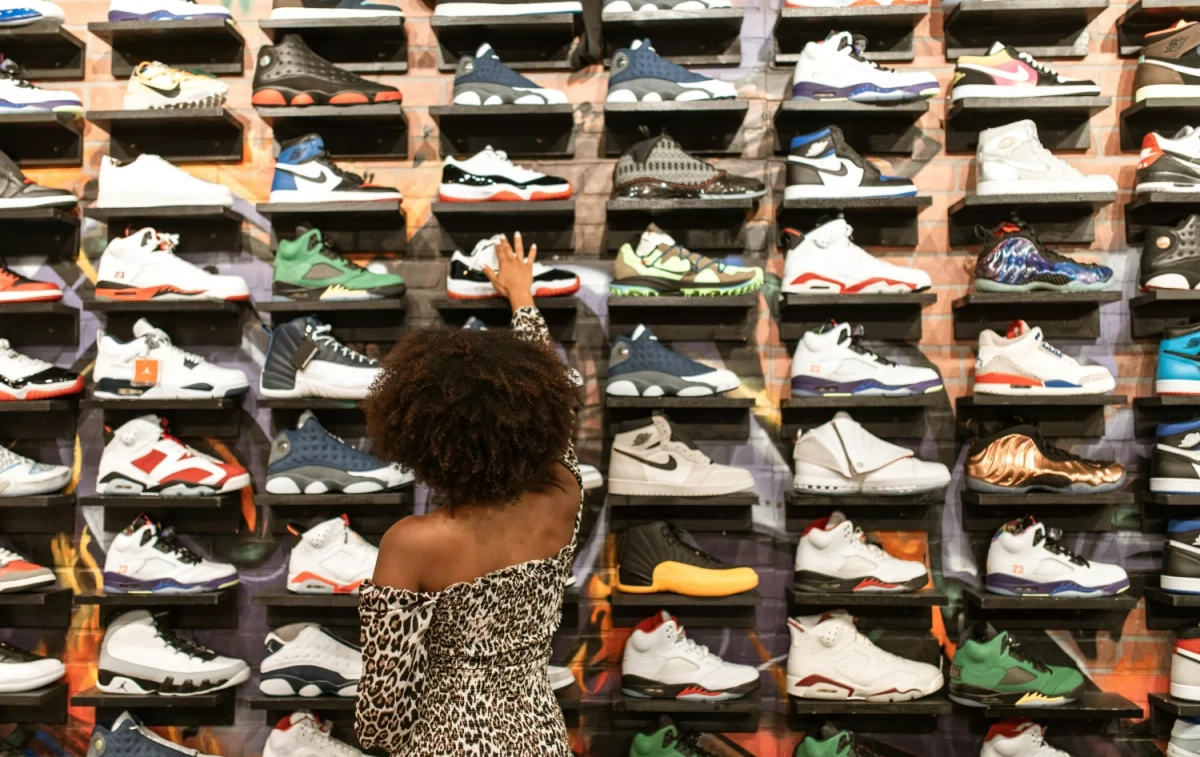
{"x": 1049, "y": 538}
{"x": 518, "y": 172}
{"x": 693, "y": 647}
{"x": 687, "y": 744}
{"x": 329, "y": 250}
{"x": 168, "y": 543}
{"x": 855, "y": 344}
{"x": 1036, "y": 64}
{"x": 322, "y": 336}
{"x": 696, "y": 260}
{"x": 873, "y": 548}
{"x": 9, "y": 458}
{"x": 349, "y": 177}
{"x": 680, "y": 442}
{"x": 11, "y": 70}
{"x": 7, "y": 556}
{"x": 1012, "y": 648}
{"x": 158, "y": 339}
{"x": 164, "y": 242}
{"x": 179, "y": 644}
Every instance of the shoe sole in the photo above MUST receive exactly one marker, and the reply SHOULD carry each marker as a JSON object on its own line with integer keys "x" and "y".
{"x": 1078, "y": 487}
{"x": 819, "y": 583}
{"x": 978, "y": 696}
{"x": 645, "y": 688}
{"x": 822, "y": 688}
{"x": 691, "y": 581}
{"x": 283, "y": 96}
{"x": 41, "y": 392}
{"x": 116, "y": 683}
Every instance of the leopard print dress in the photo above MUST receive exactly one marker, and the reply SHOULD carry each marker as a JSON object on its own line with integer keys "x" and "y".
{"x": 463, "y": 671}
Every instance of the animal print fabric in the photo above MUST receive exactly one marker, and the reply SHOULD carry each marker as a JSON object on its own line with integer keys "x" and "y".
{"x": 463, "y": 671}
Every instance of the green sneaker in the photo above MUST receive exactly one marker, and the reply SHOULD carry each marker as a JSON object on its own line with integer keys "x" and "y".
{"x": 660, "y": 267}
{"x": 665, "y": 740}
{"x": 833, "y": 743}
{"x": 309, "y": 268}
{"x": 989, "y": 669}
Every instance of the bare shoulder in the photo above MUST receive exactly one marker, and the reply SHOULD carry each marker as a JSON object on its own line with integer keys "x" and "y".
{"x": 565, "y": 479}
{"x": 407, "y": 545}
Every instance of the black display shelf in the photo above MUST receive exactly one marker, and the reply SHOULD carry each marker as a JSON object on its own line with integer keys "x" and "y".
{"x": 28, "y": 324}
{"x": 1157, "y": 209}
{"x": 1063, "y": 123}
{"x": 51, "y": 233}
{"x": 37, "y": 140}
{"x": 702, "y": 127}
{"x": 1147, "y": 16}
{"x": 886, "y": 417}
{"x": 41, "y": 514}
{"x": 44, "y": 608}
{"x": 874, "y": 512}
{"x": 713, "y": 417}
{"x": 550, "y": 224}
{"x": 984, "y": 600}
{"x": 732, "y": 716}
{"x": 984, "y": 513}
{"x": 1165, "y": 115}
{"x": 1164, "y": 709}
{"x": 922, "y": 598}
{"x": 679, "y": 318}
{"x": 718, "y": 514}
{"x": 930, "y": 706}
{"x": 559, "y": 313}
{"x": 284, "y": 607}
{"x": 218, "y": 515}
{"x": 213, "y": 45}
{"x": 1079, "y": 416}
{"x": 341, "y": 417}
{"x": 216, "y": 708}
{"x": 195, "y": 323}
{"x": 736, "y": 611}
{"x": 354, "y": 321}
{"x": 877, "y": 221}
{"x": 1191, "y": 601}
{"x": 39, "y": 419}
{"x": 1091, "y": 705}
{"x": 889, "y": 29}
{"x": 1148, "y": 412}
{"x": 201, "y": 228}
{"x": 373, "y": 226}
{"x": 1155, "y": 311}
{"x": 1164, "y": 499}
{"x": 708, "y": 226}
{"x": 363, "y": 45}
{"x": 210, "y": 609}
{"x": 45, "y": 52}
{"x": 1058, "y": 218}
{"x": 524, "y": 43}
{"x": 689, "y": 38}
{"x": 1061, "y": 315}
{"x": 371, "y": 131}
{"x": 1167, "y": 611}
{"x": 291, "y": 704}
{"x": 1034, "y": 613}
{"x": 521, "y": 131}
{"x": 886, "y": 317}
{"x": 1053, "y": 29}
{"x": 44, "y": 706}
{"x": 180, "y": 135}
{"x": 370, "y": 514}
{"x": 868, "y": 128}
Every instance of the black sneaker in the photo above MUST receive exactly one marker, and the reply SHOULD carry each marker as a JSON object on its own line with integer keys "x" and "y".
{"x": 1171, "y": 256}
{"x": 662, "y": 557}
{"x": 304, "y": 360}
{"x": 16, "y": 191}
{"x": 305, "y": 173}
{"x": 658, "y": 168}
{"x": 289, "y": 73}
{"x": 821, "y": 164}
{"x": 1175, "y": 458}
{"x": 1169, "y": 164}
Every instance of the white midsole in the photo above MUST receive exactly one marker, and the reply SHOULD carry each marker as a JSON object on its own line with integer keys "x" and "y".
{"x": 305, "y": 387}
{"x": 1177, "y": 485}
{"x": 645, "y": 489}
{"x": 1166, "y": 186}
{"x": 1177, "y": 386}
{"x": 37, "y": 202}
{"x": 1038, "y": 186}
{"x": 1003, "y": 92}
{"x": 490, "y": 9}
{"x": 821, "y": 191}
{"x": 1180, "y": 584}
{"x": 299, "y": 195}
{"x": 1165, "y": 91}
{"x": 283, "y": 14}
{"x": 464, "y": 192}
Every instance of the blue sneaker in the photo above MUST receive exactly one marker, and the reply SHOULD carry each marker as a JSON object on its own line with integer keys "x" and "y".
{"x": 128, "y": 736}
{"x": 821, "y": 164}
{"x": 639, "y": 366}
{"x": 1179, "y": 362}
{"x": 482, "y": 79}
{"x": 1181, "y": 558}
{"x": 310, "y": 460}
{"x": 637, "y": 74}
{"x": 1015, "y": 260}
{"x": 26, "y": 12}
{"x": 304, "y": 173}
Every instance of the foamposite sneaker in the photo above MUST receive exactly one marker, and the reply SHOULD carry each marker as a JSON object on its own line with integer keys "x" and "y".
{"x": 1178, "y": 369}
{"x": 310, "y": 268}
{"x": 145, "y": 558}
{"x": 1010, "y": 73}
{"x": 304, "y": 172}
{"x": 330, "y": 558}
{"x": 23, "y": 671}
{"x": 661, "y": 557}
{"x": 651, "y": 459}
{"x": 27, "y": 378}
{"x": 1026, "y": 559}
{"x": 661, "y": 662}
{"x": 639, "y": 366}
{"x": 17, "y": 573}
{"x": 638, "y": 74}
{"x": 305, "y": 360}
{"x": 821, "y": 164}
{"x": 482, "y": 79}
{"x": 1015, "y": 260}
{"x": 1171, "y": 256}
{"x": 1018, "y": 460}
{"x": 310, "y": 460}
{"x": 17, "y": 95}
{"x": 826, "y": 261}
{"x": 989, "y": 669}
{"x": 332, "y": 9}
{"x": 659, "y": 266}
{"x": 832, "y": 361}
{"x": 1022, "y": 363}
{"x": 1011, "y": 160}
{"x": 658, "y": 169}
{"x": 139, "y": 655}
{"x": 834, "y": 69}
{"x": 150, "y": 367}
{"x": 289, "y": 73}
{"x": 1169, "y": 65}
{"x": 16, "y": 13}
{"x": 142, "y": 458}
{"x": 843, "y": 458}
{"x": 835, "y": 556}
{"x": 1175, "y": 464}
{"x": 1018, "y": 738}
{"x": 143, "y": 267}
{"x": 129, "y": 736}
{"x": 467, "y": 281}
{"x": 17, "y": 191}
{"x": 155, "y": 86}
{"x": 164, "y": 10}
{"x": 1169, "y": 164}
{"x": 489, "y": 176}
{"x": 305, "y": 660}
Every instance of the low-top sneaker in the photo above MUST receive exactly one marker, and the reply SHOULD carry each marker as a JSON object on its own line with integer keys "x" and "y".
{"x": 467, "y": 280}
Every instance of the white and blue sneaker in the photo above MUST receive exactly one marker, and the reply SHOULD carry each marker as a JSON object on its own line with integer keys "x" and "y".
{"x": 21, "y": 477}
{"x": 163, "y": 10}
{"x": 304, "y": 659}
{"x": 1179, "y": 362}
{"x": 129, "y": 736}
{"x": 17, "y": 95}
{"x": 27, "y": 12}
{"x": 304, "y": 172}
{"x": 638, "y": 74}
{"x": 482, "y": 79}
{"x": 822, "y": 165}
{"x": 639, "y": 366}
{"x": 1175, "y": 464}
{"x": 310, "y": 460}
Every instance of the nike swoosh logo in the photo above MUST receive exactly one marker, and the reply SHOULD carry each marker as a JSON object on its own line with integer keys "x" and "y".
{"x": 842, "y": 171}
{"x": 1183, "y": 355}
{"x": 172, "y": 92}
{"x": 671, "y": 464}
{"x": 997, "y": 73}
{"x": 1173, "y": 66}
{"x": 320, "y": 178}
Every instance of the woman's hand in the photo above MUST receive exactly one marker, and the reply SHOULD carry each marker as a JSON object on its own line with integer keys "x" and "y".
{"x": 514, "y": 280}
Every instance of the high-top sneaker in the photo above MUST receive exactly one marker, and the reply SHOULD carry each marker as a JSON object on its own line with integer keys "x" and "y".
{"x": 42, "y": 13}
{"x": 835, "y": 69}
{"x": 17, "y": 573}
{"x": 1185, "y": 665}
{"x": 827, "y": 261}
{"x": 1013, "y": 259}
{"x": 640, "y": 366}
{"x": 658, "y": 168}
{"x": 16, "y": 191}
{"x": 649, "y": 458}
{"x": 989, "y": 668}
{"x": 27, "y": 378}
{"x": 638, "y": 74}
{"x": 832, "y": 360}
{"x": 150, "y": 367}
{"x": 304, "y": 172}
{"x": 1026, "y": 559}
{"x": 305, "y": 360}
{"x": 661, "y": 662}
{"x": 140, "y": 655}
{"x": 842, "y": 457}
{"x": 832, "y": 742}
{"x": 310, "y": 267}
{"x": 17, "y": 95}
{"x": 1176, "y": 460}
{"x": 1011, "y": 160}
{"x": 1171, "y": 256}
{"x": 143, "y": 267}
{"x": 1169, "y": 65}
{"x": 662, "y": 557}
{"x": 289, "y": 73}
{"x": 143, "y": 458}
{"x": 821, "y": 164}
{"x": 659, "y": 266}
{"x": 1169, "y": 164}
{"x": 1178, "y": 369}
{"x": 482, "y": 79}
{"x": 835, "y": 556}
{"x": 664, "y": 738}
{"x": 474, "y": 9}
{"x": 1017, "y": 460}
{"x": 1018, "y": 738}
{"x": 145, "y": 558}
{"x": 1185, "y": 738}
{"x": 330, "y": 558}
{"x": 310, "y": 460}
{"x": 1181, "y": 557}
{"x": 303, "y": 734}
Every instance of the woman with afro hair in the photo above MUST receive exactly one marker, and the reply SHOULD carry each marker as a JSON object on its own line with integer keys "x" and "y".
{"x": 458, "y": 618}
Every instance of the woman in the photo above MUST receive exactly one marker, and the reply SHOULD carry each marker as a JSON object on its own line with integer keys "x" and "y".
{"x": 458, "y": 618}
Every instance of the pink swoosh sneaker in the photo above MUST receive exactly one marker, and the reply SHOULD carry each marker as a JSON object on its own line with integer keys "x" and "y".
{"x": 1008, "y": 72}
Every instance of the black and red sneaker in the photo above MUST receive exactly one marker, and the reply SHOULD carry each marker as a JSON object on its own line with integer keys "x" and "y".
{"x": 289, "y": 73}
{"x": 17, "y": 288}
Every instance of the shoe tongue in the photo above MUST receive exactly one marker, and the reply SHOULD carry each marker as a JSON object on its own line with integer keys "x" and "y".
{"x": 314, "y": 236}
{"x": 642, "y": 331}
{"x": 656, "y": 237}
{"x": 140, "y": 521}
{"x": 836, "y": 518}
{"x": 1184, "y": 133}
{"x": 1007, "y": 227}
{"x": 652, "y": 623}
{"x": 840, "y": 40}
{"x": 126, "y": 717}
{"x": 485, "y": 50}
{"x": 142, "y": 327}
{"x": 5, "y": 346}
{"x": 995, "y": 48}
{"x": 638, "y": 44}
{"x": 301, "y": 715}
{"x": 1018, "y": 329}
{"x": 307, "y": 416}
{"x": 860, "y": 45}
{"x": 829, "y": 730}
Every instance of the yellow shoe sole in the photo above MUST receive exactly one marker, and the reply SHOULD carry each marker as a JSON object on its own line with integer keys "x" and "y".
{"x": 689, "y": 580}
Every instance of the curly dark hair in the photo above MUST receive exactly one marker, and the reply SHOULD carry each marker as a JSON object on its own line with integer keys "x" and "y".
{"x": 478, "y": 416}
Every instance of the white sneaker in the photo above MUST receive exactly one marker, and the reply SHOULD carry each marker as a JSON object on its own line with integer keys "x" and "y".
{"x": 832, "y": 362}
{"x": 154, "y": 85}
{"x": 146, "y": 559}
{"x": 489, "y": 175}
{"x": 22, "y": 477}
{"x": 330, "y": 558}
{"x": 27, "y": 378}
{"x": 15, "y": 13}
{"x": 304, "y": 172}
{"x": 1011, "y": 160}
{"x": 467, "y": 281}
{"x": 1023, "y": 364}
{"x": 1185, "y": 738}
{"x": 148, "y": 181}
{"x": 661, "y": 662}
{"x": 829, "y": 659}
{"x": 842, "y": 457}
{"x": 826, "y": 261}
{"x": 1026, "y": 559}
{"x": 23, "y": 671}
{"x": 143, "y": 267}
{"x": 647, "y": 461}
{"x": 305, "y": 660}
{"x": 834, "y": 69}
{"x": 144, "y": 459}
{"x": 150, "y": 367}
{"x": 1018, "y": 738}
{"x": 303, "y": 734}
{"x": 139, "y": 656}
{"x": 163, "y": 10}
{"x": 17, "y": 95}
{"x": 592, "y": 478}
{"x": 834, "y": 555}
{"x": 559, "y": 677}
{"x": 1185, "y": 665}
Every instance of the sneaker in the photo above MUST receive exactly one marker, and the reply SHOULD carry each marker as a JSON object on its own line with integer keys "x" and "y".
{"x": 154, "y": 85}
{"x": 143, "y": 267}
{"x": 145, "y": 558}
{"x": 638, "y": 74}
{"x": 17, "y": 95}
{"x": 665, "y": 739}
{"x": 559, "y": 677}
{"x": 832, "y": 361}
{"x": 310, "y": 460}
{"x": 1022, "y": 363}
{"x": 834, "y": 69}
{"x": 660, "y": 267}
{"x": 327, "y": 369}
{"x": 658, "y": 169}
{"x": 482, "y": 79}
{"x": 295, "y": 10}
{"x": 835, "y": 556}
{"x": 826, "y": 261}
{"x": 829, "y": 659}
{"x": 330, "y": 558}
{"x": 1185, "y": 738}
{"x": 17, "y": 573}
{"x": 1181, "y": 557}
{"x": 1008, "y": 72}
{"x": 24, "y": 671}
{"x": 128, "y": 736}
{"x": 591, "y": 476}
{"x": 27, "y": 378}
{"x": 1169, "y": 164}
{"x": 1176, "y": 458}
{"x": 1026, "y": 559}
{"x": 310, "y": 268}
{"x": 832, "y": 742}
{"x": 661, "y": 557}
{"x": 1018, "y": 460}
{"x": 843, "y": 458}
{"x": 467, "y": 281}
{"x": 148, "y": 181}
{"x": 1178, "y": 369}
{"x": 305, "y": 660}
{"x": 15, "y": 13}
{"x": 150, "y": 367}
{"x": 455, "y": 9}
{"x": 144, "y": 459}
{"x": 1169, "y": 65}
{"x": 163, "y": 10}
{"x": 1011, "y": 160}
{"x": 22, "y": 477}
{"x": 1185, "y": 665}
{"x": 17, "y": 288}
{"x": 989, "y": 669}
{"x": 649, "y": 6}
{"x": 651, "y": 459}
{"x": 140, "y": 656}
{"x": 1013, "y": 259}
{"x": 304, "y": 172}
{"x": 16, "y": 191}
{"x": 661, "y": 662}
{"x": 1018, "y": 738}
{"x": 489, "y": 176}
{"x": 289, "y": 73}
{"x": 821, "y": 164}
{"x": 639, "y": 366}
{"x": 303, "y": 734}
{"x": 1171, "y": 256}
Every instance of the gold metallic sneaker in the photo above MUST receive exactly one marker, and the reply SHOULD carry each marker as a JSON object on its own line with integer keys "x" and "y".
{"x": 1018, "y": 460}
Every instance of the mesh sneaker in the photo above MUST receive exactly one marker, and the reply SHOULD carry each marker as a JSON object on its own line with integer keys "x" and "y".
{"x": 482, "y": 79}
{"x": 989, "y": 669}
{"x": 1171, "y": 256}
{"x": 638, "y": 74}
{"x": 289, "y": 73}
{"x": 1018, "y": 460}
{"x": 658, "y": 168}
{"x": 467, "y": 281}
{"x": 17, "y": 573}
{"x": 659, "y": 266}
{"x": 22, "y": 477}
{"x": 489, "y": 176}
{"x": 23, "y": 671}
{"x": 17, "y": 95}
{"x": 305, "y": 360}
{"x": 639, "y": 366}
{"x": 310, "y": 460}
{"x": 1013, "y": 259}
{"x": 154, "y": 85}
{"x": 310, "y": 267}
{"x": 16, "y": 191}
{"x": 27, "y": 378}
{"x": 662, "y": 557}
{"x": 145, "y": 558}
